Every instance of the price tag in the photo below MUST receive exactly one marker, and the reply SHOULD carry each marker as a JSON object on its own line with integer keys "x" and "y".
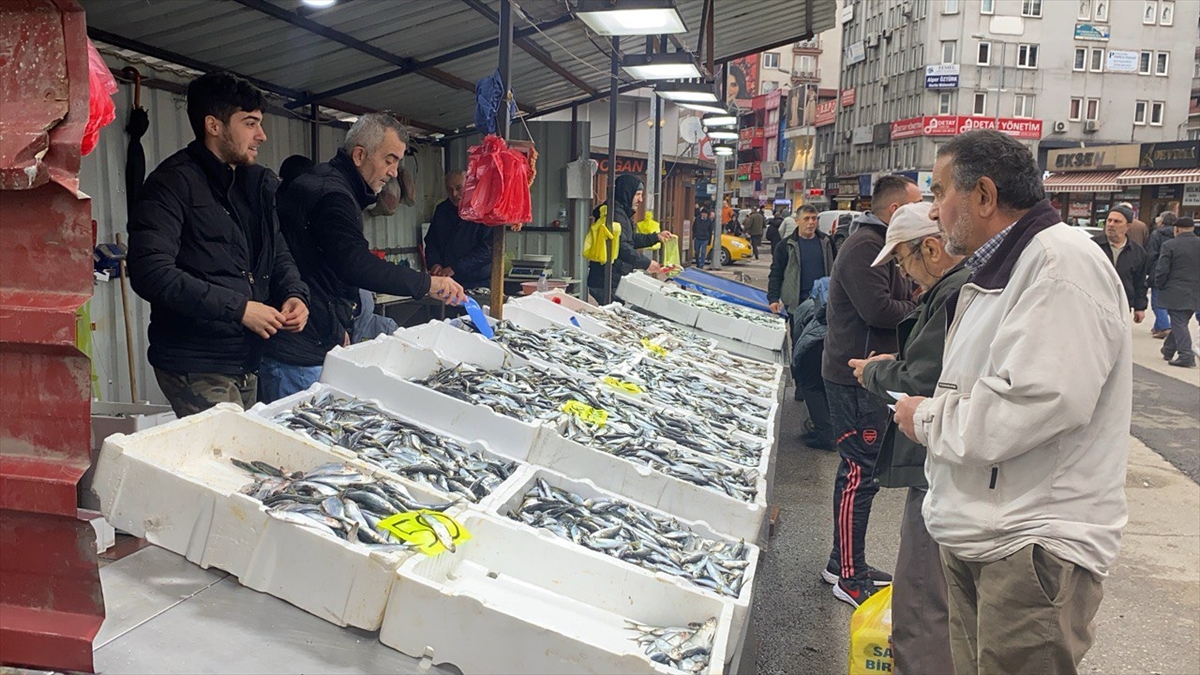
{"x": 627, "y": 387}
{"x": 655, "y": 349}
{"x": 432, "y": 532}
{"x": 585, "y": 412}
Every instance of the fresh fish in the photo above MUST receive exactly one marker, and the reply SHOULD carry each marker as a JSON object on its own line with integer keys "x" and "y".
{"x": 685, "y": 648}
{"x": 439, "y": 530}
{"x": 728, "y": 309}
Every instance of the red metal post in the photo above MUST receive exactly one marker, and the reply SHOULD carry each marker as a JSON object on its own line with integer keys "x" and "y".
{"x": 50, "y": 600}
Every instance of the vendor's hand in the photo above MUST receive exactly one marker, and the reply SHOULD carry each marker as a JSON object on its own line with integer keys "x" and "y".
{"x": 1139, "y": 315}
{"x": 516, "y": 227}
{"x": 906, "y": 410}
{"x": 447, "y": 290}
{"x": 435, "y": 270}
{"x": 295, "y": 315}
{"x": 446, "y": 272}
{"x": 654, "y": 267}
{"x": 777, "y": 307}
{"x": 665, "y": 236}
{"x": 262, "y": 320}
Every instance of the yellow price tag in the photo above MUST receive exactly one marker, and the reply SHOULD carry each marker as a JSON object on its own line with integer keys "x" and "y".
{"x": 627, "y": 387}
{"x": 586, "y": 412}
{"x": 657, "y": 350}
{"x": 432, "y": 532}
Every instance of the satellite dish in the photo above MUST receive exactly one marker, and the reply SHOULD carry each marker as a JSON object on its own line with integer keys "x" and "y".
{"x": 690, "y": 129}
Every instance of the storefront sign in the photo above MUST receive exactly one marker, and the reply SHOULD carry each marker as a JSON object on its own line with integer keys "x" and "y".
{"x": 881, "y": 134}
{"x": 1167, "y": 192}
{"x": 634, "y": 165}
{"x": 1122, "y": 62}
{"x": 860, "y": 135}
{"x": 847, "y": 187}
{"x": 941, "y": 76}
{"x": 1079, "y": 210}
{"x": 1089, "y": 31}
{"x": 856, "y": 53}
{"x": 910, "y": 128}
{"x": 1191, "y": 194}
{"x": 1173, "y": 155}
{"x": 953, "y": 125}
{"x": 772, "y": 169}
{"x": 826, "y": 113}
{"x": 1099, "y": 158}
{"x": 848, "y": 97}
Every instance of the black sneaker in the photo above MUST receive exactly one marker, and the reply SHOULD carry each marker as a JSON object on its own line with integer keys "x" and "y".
{"x": 830, "y": 575}
{"x": 854, "y": 591}
{"x": 1182, "y": 363}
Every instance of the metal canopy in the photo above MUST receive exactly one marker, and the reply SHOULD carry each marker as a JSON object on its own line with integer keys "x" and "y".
{"x": 420, "y": 58}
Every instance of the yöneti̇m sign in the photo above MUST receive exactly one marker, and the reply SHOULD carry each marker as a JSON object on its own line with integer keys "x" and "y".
{"x": 953, "y": 125}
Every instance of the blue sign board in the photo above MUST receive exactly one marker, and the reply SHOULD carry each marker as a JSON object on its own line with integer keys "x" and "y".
{"x": 941, "y": 76}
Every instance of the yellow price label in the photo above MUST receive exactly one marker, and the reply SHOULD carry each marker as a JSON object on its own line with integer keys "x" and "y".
{"x": 586, "y": 412}
{"x": 627, "y": 387}
{"x": 656, "y": 349}
{"x": 432, "y": 532}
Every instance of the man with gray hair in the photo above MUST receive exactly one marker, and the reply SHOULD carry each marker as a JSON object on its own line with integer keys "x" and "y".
{"x": 320, "y": 215}
{"x": 1027, "y": 435}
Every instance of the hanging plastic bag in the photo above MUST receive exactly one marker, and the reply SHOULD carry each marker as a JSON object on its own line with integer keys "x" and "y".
{"x": 596, "y": 243}
{"x": 648, "y": 225}
{"x": 101, "y": 109}
{"x": 496, "y": 185}
{"x": 670, "y": 257}
{"x": 871, "y": 635}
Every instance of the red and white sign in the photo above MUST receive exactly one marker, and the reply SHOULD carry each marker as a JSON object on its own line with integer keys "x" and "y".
{"x": 848, "y": 97}
{"x": 706, "y": 149}
{"x": 826, "y": 113}
{"x": 953, "y": 125}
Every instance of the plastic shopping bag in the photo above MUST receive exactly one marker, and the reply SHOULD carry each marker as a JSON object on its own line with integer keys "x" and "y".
{"x": 649, "y": 225}
{"x": 101, "y": 109}
{"x": 496, "y": 185}
{"x": 670, "y": 249}
{"x": 871, "y": 635}
{"x": 596, "y": 243}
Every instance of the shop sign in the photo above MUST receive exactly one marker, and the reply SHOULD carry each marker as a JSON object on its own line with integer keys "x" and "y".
{"x": 881, "y": 134}
{"x": 1090, "y": 31}
{"x": 1173, "y": 155}
{"x": 1122, "y": 62}
{"x": 1099, "y": 158}
{"x": 909, "y": 128}
{"x": 772, "y": 169}
{"x": 1079, "y": 210}
{"x": 826, "y": 113}
{"x": 1167, "y": 192}
{"x": 848, "y": 97}
{"x": 941, "y": 76}
{"x": 865, "y": 182}
{"x": 847, "y": 187}
{"x": 634, "y": 165}
{"x": 860, "y": 135}
{"x": 1191, "y": 194}
{"x": 953, "y": 125}
{"x": 856, "y": 53}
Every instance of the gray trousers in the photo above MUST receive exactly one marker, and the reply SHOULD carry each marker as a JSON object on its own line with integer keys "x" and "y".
{"x": 1180, "y": 339}
{"x": 1029, "y": 613}
{"x": 190, "y": 393}
{"x": 920, "y": 611}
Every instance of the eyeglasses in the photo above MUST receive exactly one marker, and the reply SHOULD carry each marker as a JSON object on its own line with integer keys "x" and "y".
{"x": 900, "y": 261}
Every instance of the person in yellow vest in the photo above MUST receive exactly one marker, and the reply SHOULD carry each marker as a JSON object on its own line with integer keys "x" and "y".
{"x": 629, "y": 240}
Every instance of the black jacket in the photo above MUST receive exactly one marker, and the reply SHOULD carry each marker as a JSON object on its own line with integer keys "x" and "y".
{"x": 628, "y": 258}
{"x": 865, "y": 303}
{"x": 320, "y": 215}
{"x": 1131, "y": 267}
{"x": 192, "y": 237}
{"x": 1177, "y": 275}
{"x": 459, "y": 244}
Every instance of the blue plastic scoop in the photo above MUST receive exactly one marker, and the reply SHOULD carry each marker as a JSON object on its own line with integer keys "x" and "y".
{"x": 479, "y": 318}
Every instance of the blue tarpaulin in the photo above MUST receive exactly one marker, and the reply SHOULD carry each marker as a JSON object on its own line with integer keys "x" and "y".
{"x": 723, "y": 289}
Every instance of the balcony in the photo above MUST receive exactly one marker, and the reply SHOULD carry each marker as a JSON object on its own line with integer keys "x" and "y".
{"x": 805, "y": 46}
{"x": 810, "y": 76}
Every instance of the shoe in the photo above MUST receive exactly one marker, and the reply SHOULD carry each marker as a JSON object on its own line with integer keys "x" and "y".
{"x": 798, "y": 395}
{"x": 854, "y": 591}
{"x": 832, "y": 572}
{"x": 1167, "y": 356}
{"x": 1190, "y": 363}
{"x": 1159, "y": 334}
{"x": 816, "y": 442}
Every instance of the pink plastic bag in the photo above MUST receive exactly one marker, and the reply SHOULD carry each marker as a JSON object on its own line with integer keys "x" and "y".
{"x": 101, "y": 109}
{"x": 496, "y": 185}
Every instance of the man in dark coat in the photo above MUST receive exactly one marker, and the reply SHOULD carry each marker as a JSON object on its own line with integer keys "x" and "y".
{"x": 205, "y": 251}
{"x": 1162, "y": 234}
{"x": 702, "y": 234}
{"x": 1177, "y": 276}
{"x": 628, "y": 191}
{"x": 755, "y": 226}
{"x": 455, "y": 247}
{"x": 1127, "y": 256}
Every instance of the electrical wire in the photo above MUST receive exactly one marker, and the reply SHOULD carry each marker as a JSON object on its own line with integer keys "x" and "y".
{"x": 601, "y": 71}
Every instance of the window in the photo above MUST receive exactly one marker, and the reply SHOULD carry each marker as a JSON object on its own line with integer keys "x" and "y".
{"x": 1102, "y": 11}
{"x": 1085, "y": 10}
{"x": 949, "y": 47}
{"x": 1097, "y": 61}
{"x": 1139, "y": 112}
{"x": 1150, "y": 14}
{"x": 1156, "y": 113}
{"x": 1031, "y": 8}
{"x": 980, "y": 107}
{"x": 945, "y": 103}
{"x": 984, "y": 57}
{"x": 1167, "y": 16}
{"x": 987, "y": 7}
{"x": 1093, "y": 110}
{"x": 1076, "y": 110}
{"x": 1160, "y": 63}
{"x": 1080, "y": 59}
{"x": 1027, "y": 56}
{"x": 1144, "y": 62}
{"x": 1023, "y": 105}
{"x": 770, "y": 60}
{"x": 950, "y": 7}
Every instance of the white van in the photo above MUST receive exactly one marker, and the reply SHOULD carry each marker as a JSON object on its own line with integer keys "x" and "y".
{"x": 836, "y": 224}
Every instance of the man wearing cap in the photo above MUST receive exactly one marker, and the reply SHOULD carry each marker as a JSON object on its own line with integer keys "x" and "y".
{"x": 1177, "y": 276}
{"x": 1127, "y": 256}
{"x": 920, "y": 612}
{"x": 1138, "y": 230}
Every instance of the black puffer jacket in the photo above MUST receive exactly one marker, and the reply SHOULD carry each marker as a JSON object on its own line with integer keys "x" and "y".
{"x": 191, "y": 256}
{"x": 1131, "y": 266}
{"x": 628, "y": 259}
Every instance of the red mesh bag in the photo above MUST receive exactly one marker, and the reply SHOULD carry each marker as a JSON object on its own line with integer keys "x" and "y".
{"x": 496, "y": 185}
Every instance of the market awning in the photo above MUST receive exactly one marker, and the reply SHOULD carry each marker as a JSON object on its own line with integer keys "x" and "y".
{"x": 1158, "y": 177}
{"x": 1083, "y": 181}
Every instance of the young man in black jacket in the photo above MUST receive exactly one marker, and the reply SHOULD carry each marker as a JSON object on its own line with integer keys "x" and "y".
{"x": 205, "y": 251}
{"x": 1127, "y": 256}
{"x": 320, "y": 215}
{"x": 866, "y": 304}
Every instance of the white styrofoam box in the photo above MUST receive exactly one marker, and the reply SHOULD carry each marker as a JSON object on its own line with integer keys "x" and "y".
{"x": 570, "y": 302}
{"x": 634, "y": 293}
{"x": 663, "y": 305}
{"x": 725, "y": 326}
{"x": 514, "y": 600}
{"x": 556, "y": 312}
{"x": 106, "y": 536}
{"x": 471, "y": 442}
{"x": 442, "y": 338}
{"x": 767, "y": 337}
{"x": 175, "y": 486}
{"x": 117, "y": 418}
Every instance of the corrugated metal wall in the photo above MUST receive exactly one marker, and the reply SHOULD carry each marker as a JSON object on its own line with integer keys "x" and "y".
{"x": 102, "y": 176}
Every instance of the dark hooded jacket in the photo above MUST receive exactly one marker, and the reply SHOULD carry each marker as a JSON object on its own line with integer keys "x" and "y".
{"x": 628, "y": 258}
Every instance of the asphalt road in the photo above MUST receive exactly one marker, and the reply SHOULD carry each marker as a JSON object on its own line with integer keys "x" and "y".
{"x": 1166, "y": 417}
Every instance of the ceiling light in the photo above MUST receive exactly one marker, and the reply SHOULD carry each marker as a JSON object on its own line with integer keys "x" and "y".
{"x": 630, "y": 17}
{"x": 719, "y": 120}
{"x": 674, "y": 66}
{"x": 724, "y": 150}
{"x": 319, "y": 4}
{"x": 718, "y": 135}
{"x": 687, "y": 92}
{"x": 703, "y": 107}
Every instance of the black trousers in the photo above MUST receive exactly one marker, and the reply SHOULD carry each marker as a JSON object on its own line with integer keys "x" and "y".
{"x": 1179, "y": 341}
{"x": 755, "y": 242}
{"x": 807, "y": 373}
{"x": 859, "y": 419}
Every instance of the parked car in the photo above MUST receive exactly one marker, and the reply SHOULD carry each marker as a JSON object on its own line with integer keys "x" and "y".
{"x": 734, "y": 248}
{"x": 836, "y": 224}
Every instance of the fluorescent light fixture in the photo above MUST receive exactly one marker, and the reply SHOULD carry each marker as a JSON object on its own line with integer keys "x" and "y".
{"x": 719, "y": 135}
{"x": 719, "y": 120}
{"x": 704, "y": 107}
{"x": 630, "y": 17}
{"x": 319, "y": 4}
{"x": 725, "y": 150}
{"x": 687, "y": 92}
{"x": 674, "y": 66}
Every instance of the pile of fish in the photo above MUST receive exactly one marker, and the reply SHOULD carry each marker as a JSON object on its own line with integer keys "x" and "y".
{"x": 726, "y": 308}
{"x": 339, "y": 500}
{"x": 649, "y": 540}
{"x": 632, "y": 326}
{"x": 687, "y": 648}
{"x": 382, "y": 440}
{"x": 630, "y": 431}
{"x": 679, "y": 388}
{"x": 569, "y": 347}
{"x": 757, "y": 370}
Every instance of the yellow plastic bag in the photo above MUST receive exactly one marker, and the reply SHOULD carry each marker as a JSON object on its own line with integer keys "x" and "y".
{"x": 871, "y": 635}
{"x": 598, "y": 235}
{"x": 670, "y": 249}
{"x": 649, "y": 225}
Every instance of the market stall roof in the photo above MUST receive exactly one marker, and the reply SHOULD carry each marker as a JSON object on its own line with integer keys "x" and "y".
{"x": 421, "y": 58}
{"x": 1083, "y": 181}
{"x": 1158, "y": 177}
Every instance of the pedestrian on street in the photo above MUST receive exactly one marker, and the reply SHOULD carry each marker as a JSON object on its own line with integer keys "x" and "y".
{"x": 773, "y": 235}
{"x": 756, "y": 224}
{"x": 1162, "y": 234}
{"x": 205, "y": 251}
{"x": 1027, "y": 435}
{"x": 920, "y": 612}
{"x": 1128, "y": 258}
{"x": 702, "y": 234}
{"x": 1138, "y": 230}
{"x": 1177, "y": 276}
{"x": 866, "y": 303}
